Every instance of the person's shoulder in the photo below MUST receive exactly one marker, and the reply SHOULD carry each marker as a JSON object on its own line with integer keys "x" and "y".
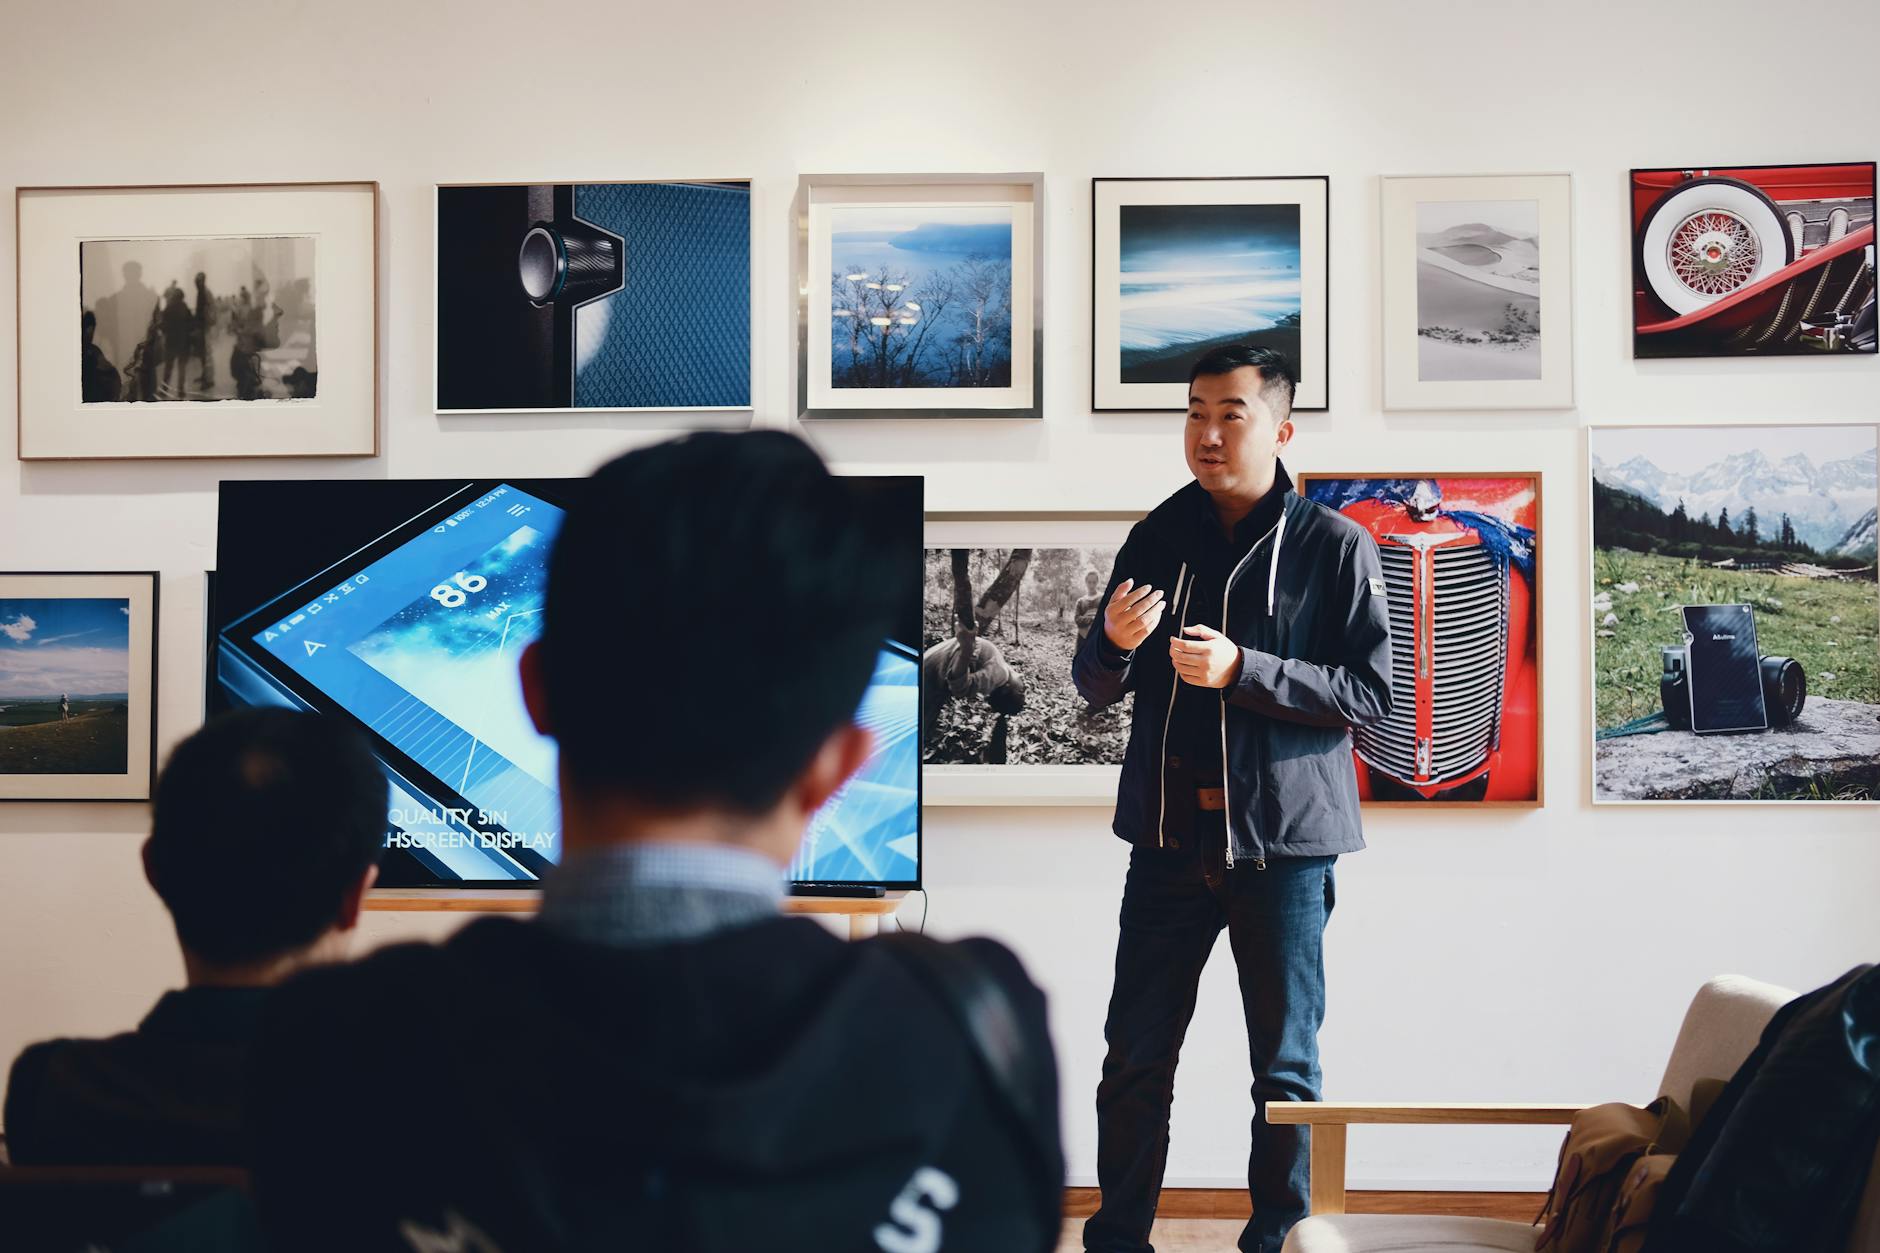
{"x": 1176, "y": 513}
{"x": 26, "y": 1079}
{"x": 997, "y": 959}
{"x": 382, "y": 981}
{"x": 1330, "y": 522}
{"x": 999, "y": 963}
{"x": 44, "y": 1076}
{"x": 37, "y": 1062}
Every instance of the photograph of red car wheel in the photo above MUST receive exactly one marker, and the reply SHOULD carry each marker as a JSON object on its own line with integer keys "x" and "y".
{"x": 1753, "y": 260}
{"x": 1461, "y": 561}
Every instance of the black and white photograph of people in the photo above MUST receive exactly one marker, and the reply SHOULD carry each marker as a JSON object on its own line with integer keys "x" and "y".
{"x": 234, "y": 320}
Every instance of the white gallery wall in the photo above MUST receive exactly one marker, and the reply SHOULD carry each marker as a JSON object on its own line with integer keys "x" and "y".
{"x": 1543, "y": 955}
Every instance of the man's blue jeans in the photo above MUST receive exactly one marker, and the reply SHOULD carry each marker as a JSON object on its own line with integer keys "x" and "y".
{"x": 1175, "y": 902}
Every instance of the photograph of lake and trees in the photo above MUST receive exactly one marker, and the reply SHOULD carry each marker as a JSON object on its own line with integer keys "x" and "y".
{"x": 920, "y": 296}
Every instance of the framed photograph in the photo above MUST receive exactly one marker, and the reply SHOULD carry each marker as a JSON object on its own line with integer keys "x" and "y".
{"x": 1181, "y": 266}
{"x": 214, "y": 321}
{"x": 1009, "y": 598}
{"x": 1478, "y": 292}
{"x": 78, "y": 686}
{"x": 1763, "y": 260}
{"x": 920, "y": 296}
{"x": 594, "y": 296}
{"x": 1462, "y": 565}
{"x": 1735, "y": 616}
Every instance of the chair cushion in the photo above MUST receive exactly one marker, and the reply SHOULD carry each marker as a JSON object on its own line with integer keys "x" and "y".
{"x": 1409, "y": 1233}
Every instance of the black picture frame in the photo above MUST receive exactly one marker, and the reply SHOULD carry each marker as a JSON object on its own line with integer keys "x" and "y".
{"x": 1314, "y": 393}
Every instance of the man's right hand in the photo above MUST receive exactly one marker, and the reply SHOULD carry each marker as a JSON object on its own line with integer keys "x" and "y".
{"x": 1132, "y": 614}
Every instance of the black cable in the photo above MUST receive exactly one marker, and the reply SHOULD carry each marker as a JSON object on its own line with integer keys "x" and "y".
{"x": 922, "y": 929}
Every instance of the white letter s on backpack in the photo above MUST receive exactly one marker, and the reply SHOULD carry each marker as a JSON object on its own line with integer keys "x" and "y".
{"x": 916, "y": 1227}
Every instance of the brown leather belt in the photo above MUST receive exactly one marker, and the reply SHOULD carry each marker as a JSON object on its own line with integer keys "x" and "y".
{"x": 1211, "y": 798}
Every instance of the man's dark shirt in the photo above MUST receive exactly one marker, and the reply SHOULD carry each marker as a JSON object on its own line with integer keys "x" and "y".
{"x": 764, "y": 1086}
{"x": 1194, "y": 733}
{"x": 166, "y": 1094}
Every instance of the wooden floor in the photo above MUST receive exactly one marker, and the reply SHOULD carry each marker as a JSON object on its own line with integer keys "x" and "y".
{"x": 1208, "y": 1220}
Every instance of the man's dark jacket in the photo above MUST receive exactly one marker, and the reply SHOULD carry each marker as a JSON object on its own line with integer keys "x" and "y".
{"x": 1315, "y": 662}
{"x": 167, "y": 1094}
{"x": 766, "y": 1087}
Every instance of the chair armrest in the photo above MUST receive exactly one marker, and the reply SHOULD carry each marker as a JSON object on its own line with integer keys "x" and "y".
{"x": 1460, "y": 1113}
{"x": 1329, "y": 1119}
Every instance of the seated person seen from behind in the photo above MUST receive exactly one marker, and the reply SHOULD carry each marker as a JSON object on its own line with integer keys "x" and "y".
{"x": 660, "y": 1060}
{"x": 267, "y": 831}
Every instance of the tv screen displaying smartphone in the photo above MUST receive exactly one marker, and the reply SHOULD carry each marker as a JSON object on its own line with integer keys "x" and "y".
{"x": 1725, "y": 679}
{"x": 402, "y": 607}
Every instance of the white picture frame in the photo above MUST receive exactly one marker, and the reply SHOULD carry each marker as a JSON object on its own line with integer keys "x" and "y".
{"x": 686, "y": 275}
{"x": 1636, "y": 582}
{"x": 338, "y": 225}
{"x": 825, "y": 203}
{"x": 1431, "y": 364}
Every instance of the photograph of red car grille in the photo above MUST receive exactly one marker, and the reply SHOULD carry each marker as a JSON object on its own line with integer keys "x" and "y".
{"x": 1738, "y": 260}
{"x": 1459, "y": 558}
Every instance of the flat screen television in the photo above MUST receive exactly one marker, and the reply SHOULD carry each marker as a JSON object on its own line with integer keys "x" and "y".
{"x": 402, "y": 605}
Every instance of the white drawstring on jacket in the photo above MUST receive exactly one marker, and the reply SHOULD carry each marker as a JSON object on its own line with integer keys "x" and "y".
{"x": 1272, "y": 568}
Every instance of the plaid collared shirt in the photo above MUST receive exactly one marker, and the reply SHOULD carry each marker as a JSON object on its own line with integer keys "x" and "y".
{"x": 634, "y": 894}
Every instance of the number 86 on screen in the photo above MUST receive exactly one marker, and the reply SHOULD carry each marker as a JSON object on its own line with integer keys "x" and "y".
{"x": 454, "y": 593}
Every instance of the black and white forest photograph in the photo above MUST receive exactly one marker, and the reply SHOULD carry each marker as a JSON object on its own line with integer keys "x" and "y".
{"x": 1001, "y": 627}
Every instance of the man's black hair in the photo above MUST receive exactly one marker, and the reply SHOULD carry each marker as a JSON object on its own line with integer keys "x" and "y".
{"x": 264, "y": 819}
{"x": 716, "y": 607}
{"x": 1278, "y": 379}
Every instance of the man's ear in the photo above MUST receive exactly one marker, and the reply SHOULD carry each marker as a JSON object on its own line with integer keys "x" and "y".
{"x": 1282, "y": 435}
{"x": 835, "y": 763}
{"x": 355, "y": 900}
{"x": 535, "y": 687}
{"x": 150, "y": 869}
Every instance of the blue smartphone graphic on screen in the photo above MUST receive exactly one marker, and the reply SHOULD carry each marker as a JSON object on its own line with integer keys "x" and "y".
{"x": 415, "y": 638}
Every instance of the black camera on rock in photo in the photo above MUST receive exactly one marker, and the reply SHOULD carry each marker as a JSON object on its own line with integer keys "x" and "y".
{"x": 1784, "y": 686}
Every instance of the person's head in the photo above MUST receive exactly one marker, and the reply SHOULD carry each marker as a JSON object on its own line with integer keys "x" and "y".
{"x": 1239, "y": 418}
{"x": 716, "y": 607}
{"x": 201, "y": 278}
{"x": 266, "y": 835}
{"x": 90, "y": 324}
{"x": 1092, "y": 580}
{"x": 133, "y": 273}
{"x": 1007, "y": 698}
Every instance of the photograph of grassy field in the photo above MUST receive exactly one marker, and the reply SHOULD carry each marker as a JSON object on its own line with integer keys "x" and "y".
{"x": 64, "y": 686}
{"x": 94, "y": 739}
{"x": 1780, "y": 519}
{"x": 1828, "y": 625}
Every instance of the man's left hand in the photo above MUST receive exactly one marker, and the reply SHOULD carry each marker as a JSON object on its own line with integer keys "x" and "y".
{"x": 1208, "y": 660}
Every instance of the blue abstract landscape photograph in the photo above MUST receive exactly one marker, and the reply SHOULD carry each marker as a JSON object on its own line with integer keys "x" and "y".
{"x": 1197, "y": 277}
{"x": 920, "y": 296}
